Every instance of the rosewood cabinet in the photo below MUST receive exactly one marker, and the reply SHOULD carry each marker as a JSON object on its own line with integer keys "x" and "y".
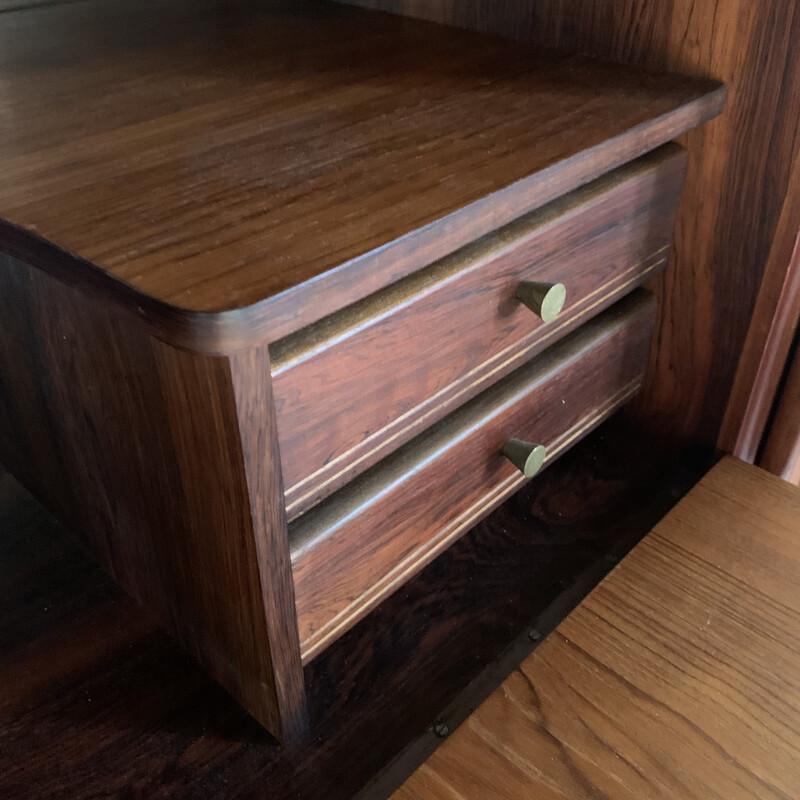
{"x": 291, "y": 296}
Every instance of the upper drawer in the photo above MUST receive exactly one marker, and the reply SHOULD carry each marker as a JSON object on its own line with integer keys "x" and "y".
{"x": 361, "y": 382}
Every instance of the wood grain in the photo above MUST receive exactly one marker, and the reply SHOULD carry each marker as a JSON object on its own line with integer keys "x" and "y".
{"x": 255, "y": 410}
{"x": 219, "y": 176}
{"x": 676, "y": 678}
{"x": 781, "y": 451}
{"x": 737, "y": 180}
{"x": 230, "y": 176}
{"x": 96, "y": 701}
{"x": 769, "y": 338}
{"x": 353, "y": 550}
{"x": 137, "y": 447}
{"x": 361, "y": 383}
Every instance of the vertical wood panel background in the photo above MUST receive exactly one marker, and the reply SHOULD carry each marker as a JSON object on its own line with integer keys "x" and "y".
{"x": 782, "y": 448}
{"x": 770, "y": 337}
{"x": 738, "y": 170}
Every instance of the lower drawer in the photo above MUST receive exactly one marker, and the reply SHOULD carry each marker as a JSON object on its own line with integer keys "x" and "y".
{"x": 354, "y": 549}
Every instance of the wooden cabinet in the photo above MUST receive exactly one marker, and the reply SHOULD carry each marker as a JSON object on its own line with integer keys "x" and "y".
{"x": 265, "y": 266}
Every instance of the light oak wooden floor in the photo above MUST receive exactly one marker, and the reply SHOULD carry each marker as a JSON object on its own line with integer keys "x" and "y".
{"x": 678, "y": 677}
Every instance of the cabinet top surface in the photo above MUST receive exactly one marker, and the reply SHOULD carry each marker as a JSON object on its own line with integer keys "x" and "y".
{"x": 207, "y": 157}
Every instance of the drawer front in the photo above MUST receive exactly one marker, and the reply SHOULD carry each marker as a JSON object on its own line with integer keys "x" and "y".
{"x": 356, "y": 386}
{"x": 355, "y": 548}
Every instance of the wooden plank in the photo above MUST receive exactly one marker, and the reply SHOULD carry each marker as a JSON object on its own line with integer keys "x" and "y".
{"x": 676, "y": 678}
{"x": 96, "y": 701}
{"x": 291, "y": 159}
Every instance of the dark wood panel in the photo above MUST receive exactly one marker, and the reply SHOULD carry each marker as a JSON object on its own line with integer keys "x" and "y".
{"x": 781, "y": 449}
{"x": 97, "y": 702}
{"x": 351, "y": 551}
{"x": 136, "y": 446}
{"x": 255, "y": 413}
{"x": 738, "y": 176}
{"x": 676, "y": 677}
{"x": 209, "y": 162}
{"x": 769, "y": 338}
{"x": 359, "y": 384}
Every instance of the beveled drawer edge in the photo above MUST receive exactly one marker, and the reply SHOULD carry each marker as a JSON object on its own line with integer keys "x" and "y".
{"x": 422, "y": 556}
{"x": 294, "y": 349}
{"x": 519, "y": 350}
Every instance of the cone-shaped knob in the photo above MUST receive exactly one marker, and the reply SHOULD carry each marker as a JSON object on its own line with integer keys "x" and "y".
{"x": 526, "y": 457}
{"x": 544, "y": 299}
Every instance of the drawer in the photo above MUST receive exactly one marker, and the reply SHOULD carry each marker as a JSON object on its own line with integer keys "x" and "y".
{"x": 359, "y": 545}
{"x": 357, "y": 385}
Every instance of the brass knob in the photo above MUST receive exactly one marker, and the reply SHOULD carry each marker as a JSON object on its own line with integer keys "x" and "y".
{"x": 526, "y": 457}
{"x": 544, "y": 299}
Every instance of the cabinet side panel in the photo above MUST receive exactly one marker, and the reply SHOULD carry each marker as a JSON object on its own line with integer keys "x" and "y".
{"x": 135, "y": 446}
{"x": 258, "y": 432}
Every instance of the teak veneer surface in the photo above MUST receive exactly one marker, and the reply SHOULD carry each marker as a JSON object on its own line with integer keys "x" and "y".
{"x": 193, "y": 158}
{"x": 678, "y": 677}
